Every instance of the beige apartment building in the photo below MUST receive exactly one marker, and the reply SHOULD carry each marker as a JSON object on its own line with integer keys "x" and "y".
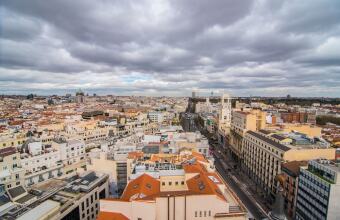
{"x": 12, "y": 140}
{"x": 11, "y": 172}
{"x": 263, "y": 155}
{"x": 241, "y": 122}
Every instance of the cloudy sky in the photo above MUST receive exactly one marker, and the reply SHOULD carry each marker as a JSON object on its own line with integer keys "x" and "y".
{"x": 170, "y": 47}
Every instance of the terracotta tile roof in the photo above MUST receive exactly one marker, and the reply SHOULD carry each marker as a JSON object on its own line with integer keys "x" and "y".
{"x": 194, "y": 168}
{"x": 216, "y": 177}
{"x": 202, "y": 184}
{"x": 111, "y": 216}
{"x": 163, "y": 158}
{"x": 142, "y": 187}
{"x": 199, "y": 156}
{"x": 135, "y": 155}
{"x": 18, "y": 122}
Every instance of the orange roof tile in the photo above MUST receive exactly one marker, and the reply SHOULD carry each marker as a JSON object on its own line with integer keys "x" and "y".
{"x": 111, "y": 216}
{"x": 135, "y": 155}
{"x": 194, "y": 168}
{"x": 199, "y": 156}
{"x": 141, "y": 187}
{"x": 204, "y": 182}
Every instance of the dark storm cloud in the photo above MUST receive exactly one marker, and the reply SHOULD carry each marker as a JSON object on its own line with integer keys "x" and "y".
{"x": 171, "y": 46}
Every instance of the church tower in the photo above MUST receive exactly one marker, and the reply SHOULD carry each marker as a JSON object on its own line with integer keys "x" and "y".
{"x": 225, "y": 111}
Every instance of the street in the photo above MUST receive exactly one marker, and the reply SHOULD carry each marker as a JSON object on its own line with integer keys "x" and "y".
{"x": 241, "y": 189}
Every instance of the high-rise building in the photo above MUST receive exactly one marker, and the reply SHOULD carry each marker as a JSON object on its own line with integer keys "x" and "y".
{"x": 318, "y": 191}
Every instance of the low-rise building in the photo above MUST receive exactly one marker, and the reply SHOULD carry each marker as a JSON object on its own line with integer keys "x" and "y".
{"x": 41, "y": 163}
{"x": 11, "y": 171}
{"x": 71, "y": 151}
{"x": 189, "y": 140}
{"x": 175, "y": 192}
{"x": 156, "y": 117}
{"x": 290, "y": 177}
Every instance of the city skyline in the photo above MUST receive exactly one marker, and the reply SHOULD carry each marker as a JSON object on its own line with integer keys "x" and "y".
{"x": 246, "y": 48}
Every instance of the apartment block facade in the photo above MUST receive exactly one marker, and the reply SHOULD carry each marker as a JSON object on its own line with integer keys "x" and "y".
{"x": 11, "y": 172}
{"x": 318, "y": 191}
{"x": 263, "y": 157}
{"x": 241, "y": 122}
{"x": 290, "y": 175}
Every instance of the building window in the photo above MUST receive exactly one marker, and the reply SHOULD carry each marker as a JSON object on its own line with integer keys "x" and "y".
{"x": 200, "y": 213}
{"x": 82, "y": 206}
{"x": 182, "y": 182}
{"x": 170, "y": 183}
{"x": 163, "y": 183}
{"x": 195, "y": 213}
{"x": 205, "y": 213}
{"x": 209, "y": 213}
{"x": 176, "y": 183}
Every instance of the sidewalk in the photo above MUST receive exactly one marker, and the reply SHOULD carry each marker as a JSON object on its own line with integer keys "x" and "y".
{"x": 247, "y": 183}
